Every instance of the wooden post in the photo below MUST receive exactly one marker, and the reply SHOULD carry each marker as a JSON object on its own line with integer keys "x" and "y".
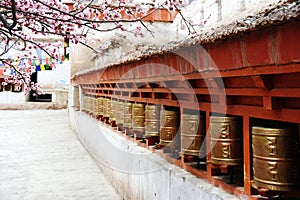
{"x": 247, "y": 155}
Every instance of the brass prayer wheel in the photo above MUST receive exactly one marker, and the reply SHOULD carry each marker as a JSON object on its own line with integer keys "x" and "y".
{"x": 138, "y": 117}
{"x": 127, "y": 115}
{"x": 100, "y": 106}
{"x": 152, "y": 119}
{"x": 168, "y": 127}
{"x": 120, "y": 113}
{"x": 106, "y": 107}
{"x": 96, "y": 105}
{"x": 84, "y": 103}
{"x": 88, "y": 104}
{"x": 192, "y": 134}
{"x": 275, "y": 158}
{"x": 93, "y": 105}
{"x": 113, "y": 110}
{"x": 226, "y": 140}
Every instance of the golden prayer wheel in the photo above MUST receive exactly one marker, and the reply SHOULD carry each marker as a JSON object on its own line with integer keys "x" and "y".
{"x": 226, "y": 140}
{"x": 113, "y": 111}
{"x": 93, "y": 107}
{"x": 192, "y": 134}
{"x": 84, "y": 103}
{"x": 96, "y": 105}
{"x": 76, "y": 98}
{"x": 168, "y": 127}
{"x": 138, "y": 117}
{"x": 106, "y": 107}
{"x": 152, "y": 120}
{"x": 275, "y": 158}
{"x": 88, "y": 106}
{"x": 120, "y": 113}
{"x": 100, "y": 106}
{"x": 127, "y": 115}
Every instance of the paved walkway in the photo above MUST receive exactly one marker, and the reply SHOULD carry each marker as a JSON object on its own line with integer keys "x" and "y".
{"x": 41, "y": 159}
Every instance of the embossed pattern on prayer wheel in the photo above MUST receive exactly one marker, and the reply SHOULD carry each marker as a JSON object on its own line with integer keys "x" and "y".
{"x": 192, "y": 134}
{"x": 106, "y": 107}
{"x": 100, "y": 106}
{"x": 127, "y": 115}
{"x": 120, "y": 113}
{"x": 152, "y": 119}
{"x": 113, "y": 110}
{"x": 168, "y": 127}
{"x": 226, "y": 140}
{"x": 138, "y": 117}
{"x": 275, "y": 158}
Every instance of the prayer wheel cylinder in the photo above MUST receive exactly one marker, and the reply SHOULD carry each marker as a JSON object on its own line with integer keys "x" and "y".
{"x": 100, "y": 106}
{"x": 106, "y": 108}
{"x": 113, "y": 111}
{"x": 275, "y": 158}
{"x": 120, "y": 113}
{"x": 138, "y": 117}
{"x": 168, "y": 127}
{"x": 76, "y": 98}
{"x": 192, "y": 134}
{"x": 96, "y": 105}
{"x": 93, "y": 110}
{"x": 84, "y": 103}
{"x": 226, "y": 140}
{"x": 88, "y": 104}
{"x": 152, "y": 119}
{"x": 127, "y": 115}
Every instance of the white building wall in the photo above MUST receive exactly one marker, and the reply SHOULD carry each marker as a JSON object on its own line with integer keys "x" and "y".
{"x": 12, "y": 97}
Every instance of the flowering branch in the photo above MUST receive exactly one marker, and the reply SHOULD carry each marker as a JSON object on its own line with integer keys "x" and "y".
{"x": 22, "y": 20}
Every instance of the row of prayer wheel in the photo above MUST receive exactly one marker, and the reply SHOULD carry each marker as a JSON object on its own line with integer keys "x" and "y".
{"x": 275, "y": 154}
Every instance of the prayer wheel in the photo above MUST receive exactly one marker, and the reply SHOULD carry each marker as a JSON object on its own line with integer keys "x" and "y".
{"x": 275, "y": 158}
{"x": 90, "y": 99}
{"x": 113, "y": 111}
{"x": 93, "y": 107}
{"x": 152, "y": 118}
{"x": 88, "y": 104}
{"x": 100, "y": 106}
{"x": 168, "y": 127}
{"x": 120, "y": 113}
{"x": 138, "y": 117}
{"x": 192, "y": 134}
{"x": 96, "y": 106}
{"x": 127, "y": 115}
{"x": 226, "y": 140}
{"x": 106, "y": 107}
{"x": 84, "y": 103}
{"x": 76, "y": 98}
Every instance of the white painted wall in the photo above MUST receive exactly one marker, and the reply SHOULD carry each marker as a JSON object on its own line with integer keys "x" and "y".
{"x": 12, "y": 97}
{"x": 218, "y": 12}
{"x": 56, "y": 78}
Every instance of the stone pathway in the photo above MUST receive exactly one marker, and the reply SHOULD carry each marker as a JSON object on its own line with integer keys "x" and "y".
{"x": 41, "y": 159}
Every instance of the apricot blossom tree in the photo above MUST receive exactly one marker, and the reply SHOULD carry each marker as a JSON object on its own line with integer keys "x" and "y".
{"x": 22, "y": 20}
